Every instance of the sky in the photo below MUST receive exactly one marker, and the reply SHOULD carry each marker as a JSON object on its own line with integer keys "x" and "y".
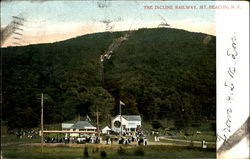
{"x": 51, "y": 21}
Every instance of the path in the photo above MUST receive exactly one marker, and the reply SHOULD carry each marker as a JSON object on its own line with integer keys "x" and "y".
{"x": 182, "y": 140}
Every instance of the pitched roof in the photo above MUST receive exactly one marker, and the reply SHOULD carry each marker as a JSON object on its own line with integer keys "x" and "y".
{"x": 106, "y": 128}
{"x": 132, "y": 117}
{"x": 67, "y": 125}
{"x": 82, "y": 125}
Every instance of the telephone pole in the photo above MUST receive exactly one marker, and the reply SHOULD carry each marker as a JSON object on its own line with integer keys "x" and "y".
{"x": 97, "y": 122}
{"x": 120, "y": 112}
{"x": 42, "y": 121}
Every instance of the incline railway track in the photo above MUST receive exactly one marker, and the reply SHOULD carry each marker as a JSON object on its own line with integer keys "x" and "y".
{"x": 107, "y": 54}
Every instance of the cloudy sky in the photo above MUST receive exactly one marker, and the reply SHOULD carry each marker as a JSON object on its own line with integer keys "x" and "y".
{"x": 52, "y": 21}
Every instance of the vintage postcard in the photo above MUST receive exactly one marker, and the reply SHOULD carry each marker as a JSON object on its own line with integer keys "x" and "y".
{"x": 124, "y": 79}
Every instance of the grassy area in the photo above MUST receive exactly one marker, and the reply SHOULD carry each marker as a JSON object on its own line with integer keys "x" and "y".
{"x": 205, "y": 135}
{"x": 63, "y": 152}
{"x": 205, "y": 131}
{"x": 14, "y": 147}
{"x": 192, "y": 144}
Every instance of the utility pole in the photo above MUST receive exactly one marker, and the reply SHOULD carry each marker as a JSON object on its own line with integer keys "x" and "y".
{"x": 42, "y": 121}
{"x": 120, "y": 112}
{"x": 97, "y": 121}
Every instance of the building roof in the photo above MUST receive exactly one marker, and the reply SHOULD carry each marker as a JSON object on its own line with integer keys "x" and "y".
{"x": 82, "y": 125}
{"x": 132, "y": 117}
{"x": 67, "y": 125}
{"x": 106, "y": 128}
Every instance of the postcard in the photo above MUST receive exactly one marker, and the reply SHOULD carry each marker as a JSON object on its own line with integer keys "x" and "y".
{"x": 124, "y": 79}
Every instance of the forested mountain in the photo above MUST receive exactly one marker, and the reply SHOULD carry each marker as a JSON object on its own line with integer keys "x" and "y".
{"x": 158, "y": 73}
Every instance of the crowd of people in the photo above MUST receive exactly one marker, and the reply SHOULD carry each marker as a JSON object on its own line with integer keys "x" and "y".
{"x": 22, "y": 133}
{"x": 140, "y": 140}
{"x": 126, "y": 138}
{"x": 67, "y": 140}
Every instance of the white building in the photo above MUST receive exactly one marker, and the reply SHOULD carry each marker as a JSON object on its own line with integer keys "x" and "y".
{"x": 78, "y": 126}
{"x": 129, "y": 123}
{"x": 106, "y": 130}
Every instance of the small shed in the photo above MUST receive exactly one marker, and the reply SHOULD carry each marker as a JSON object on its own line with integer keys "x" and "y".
{"x": 106, "y": 130}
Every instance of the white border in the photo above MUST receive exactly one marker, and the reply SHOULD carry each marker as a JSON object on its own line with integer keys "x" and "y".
{"x": 232, "y": 23}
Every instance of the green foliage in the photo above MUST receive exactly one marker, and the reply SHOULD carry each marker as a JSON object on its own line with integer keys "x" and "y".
{"x": 196, "y": 124}
{"x": 121, "y": 151}
{"x": 66, "y": 152}
{"x": 181, "y": 124}
{"x": 157, "y": 73}
{"x": 156, "y": 124}
{"x": 139, "y": 152}
{"x": 103, "y": 154}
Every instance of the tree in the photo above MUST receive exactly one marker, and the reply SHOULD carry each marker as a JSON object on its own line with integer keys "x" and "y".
{"x": 101, "y": 101}
{"x": 156, "y": 124}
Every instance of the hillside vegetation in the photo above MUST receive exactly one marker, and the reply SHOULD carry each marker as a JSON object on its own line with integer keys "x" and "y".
{"x": 158, "y": 73}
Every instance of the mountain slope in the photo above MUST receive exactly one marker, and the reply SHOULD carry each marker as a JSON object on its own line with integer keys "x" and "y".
{"x": 159, "y": 73}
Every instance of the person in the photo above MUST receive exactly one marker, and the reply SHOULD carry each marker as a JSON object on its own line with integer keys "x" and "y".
{"x": 204, "y": 144}
{"x": 140, "y": 141}
{"x": 122, "y": 141}
{"x": 156, "y": 138}
{"x": 97, "y": 140}
{"x": 107, "y": 140}
{"x": 145, "y": 141}
{"x": 126, "y": 141}
{"x": 111, "y": 141}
